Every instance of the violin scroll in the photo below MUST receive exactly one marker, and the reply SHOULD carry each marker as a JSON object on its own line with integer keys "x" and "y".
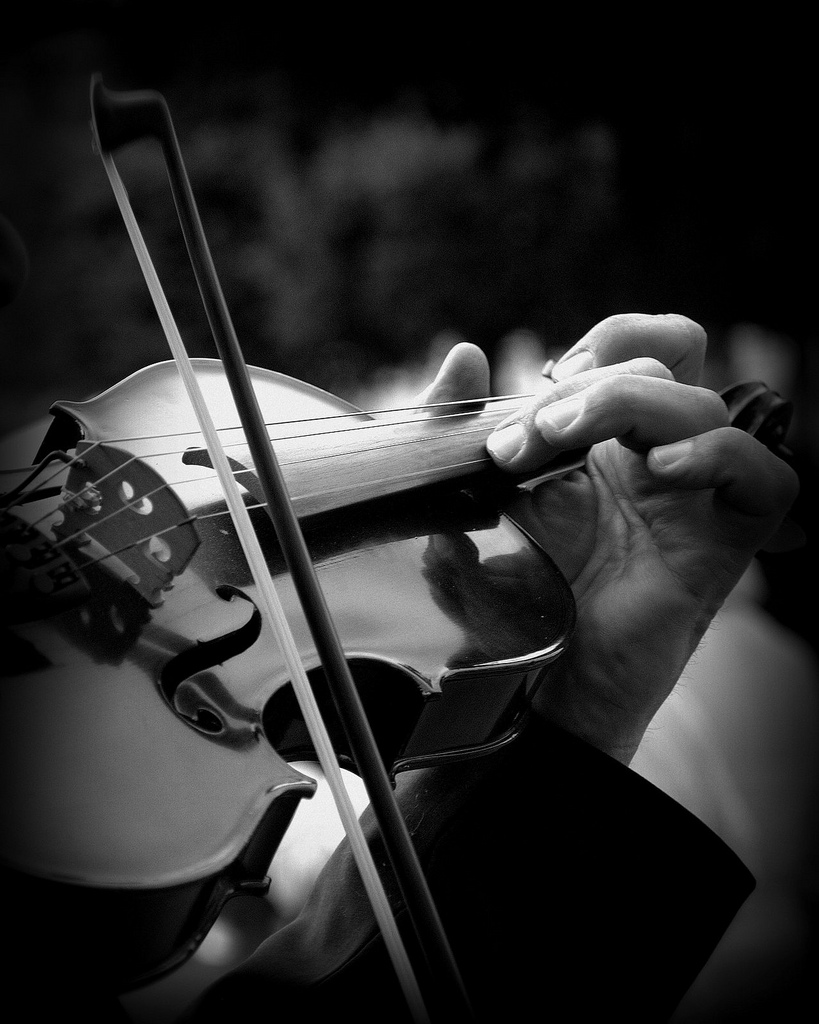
{"x": 760, "y": 412}
{"x": 766, "y": 415}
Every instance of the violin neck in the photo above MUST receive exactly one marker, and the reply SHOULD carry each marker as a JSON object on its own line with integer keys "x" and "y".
{"x": 374, "y": 458}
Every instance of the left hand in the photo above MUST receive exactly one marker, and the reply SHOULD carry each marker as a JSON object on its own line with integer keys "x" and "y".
{"x": 658, "y": 527}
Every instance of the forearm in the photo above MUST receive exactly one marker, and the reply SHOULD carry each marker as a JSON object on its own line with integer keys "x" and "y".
{"x": 560, "y": 876}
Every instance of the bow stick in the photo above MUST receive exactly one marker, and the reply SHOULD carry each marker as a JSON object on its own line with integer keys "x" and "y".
{"x": 116, "y": 120}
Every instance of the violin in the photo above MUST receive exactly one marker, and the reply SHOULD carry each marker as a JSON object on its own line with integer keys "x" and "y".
{"x": 149, "y": 718}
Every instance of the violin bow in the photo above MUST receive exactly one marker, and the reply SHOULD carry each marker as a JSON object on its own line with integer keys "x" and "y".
{"x": 119, "y": 118}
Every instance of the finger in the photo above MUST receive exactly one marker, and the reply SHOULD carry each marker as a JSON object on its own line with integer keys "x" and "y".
{"x": 639, "y": 412}
{"x": 464, "y": 374}
{"x": 519, "y": 445}
{"x": 676, "y": 341}
{"x": 747, "y": 476}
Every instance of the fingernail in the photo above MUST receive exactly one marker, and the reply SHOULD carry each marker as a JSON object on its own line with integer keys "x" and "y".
{"x": 568, "y": 366}
{"x": 506, "y": 442}
{"x": 560, "y": 415}
{"x": 668, "y": 454}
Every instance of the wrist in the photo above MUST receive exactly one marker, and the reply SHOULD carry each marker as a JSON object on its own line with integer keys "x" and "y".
{"x": 596, "y": 717}
{"x": 608, "y": 698}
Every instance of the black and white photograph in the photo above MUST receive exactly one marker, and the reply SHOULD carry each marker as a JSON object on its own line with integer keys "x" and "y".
{"x": 409, "y": 441}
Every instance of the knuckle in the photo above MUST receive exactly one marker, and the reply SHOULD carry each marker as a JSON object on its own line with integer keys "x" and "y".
{"x": 648, "y": 366}
{"x": 622, "y": 323}
{"x": 694, "y": 334}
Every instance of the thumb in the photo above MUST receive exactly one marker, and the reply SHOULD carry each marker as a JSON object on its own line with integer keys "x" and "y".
{"x": 464, "y": 374}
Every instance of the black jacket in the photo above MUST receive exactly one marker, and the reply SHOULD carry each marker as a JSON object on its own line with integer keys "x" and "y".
{"x": 569, "y": 887}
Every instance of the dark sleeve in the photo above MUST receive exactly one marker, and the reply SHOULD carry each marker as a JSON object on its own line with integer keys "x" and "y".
{"x": 563, "y": 879}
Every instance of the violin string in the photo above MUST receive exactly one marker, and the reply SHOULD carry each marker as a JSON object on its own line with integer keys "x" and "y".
{"x": 77, "y": 460}
{"x": 66, "y": 499}
{"x": 383, "y": 445}
{"x": 362, "y": 427}
{"x": 251, "y": 506}
{"x": 69, "y": 497}
{"x": 8, "y": 498}
{"x": 353, "y": 415}
{"x": 399, "y": 478}
{"x": 97, "y": 523}
{"x": 135, "y": 544}
{"x": 67, "y": 463}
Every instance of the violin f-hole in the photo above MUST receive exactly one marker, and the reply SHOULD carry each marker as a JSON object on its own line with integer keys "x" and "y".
{"x": 205, "y": 655}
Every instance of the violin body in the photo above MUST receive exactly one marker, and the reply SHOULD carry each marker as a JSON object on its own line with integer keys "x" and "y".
{"x": 148, "y": 721}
